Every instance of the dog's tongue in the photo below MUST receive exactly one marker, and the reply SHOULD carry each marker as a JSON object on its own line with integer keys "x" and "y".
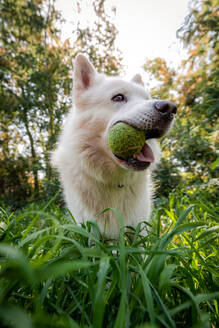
{"x": 146, "y": 154}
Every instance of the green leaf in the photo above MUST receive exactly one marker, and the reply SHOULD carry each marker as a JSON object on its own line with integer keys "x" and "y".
{"x": 121, "y": 315}
{"x": 163, "y": 308}
{"x": 15, "y": 317}
{"x": 215, "y": 164}
{"x": 147, "y": 294}
{"x": 60, "y": 269}
{"x": 99, "y": 301}
{"x": 15, "y": 258}
{"x": 165, "y": 276}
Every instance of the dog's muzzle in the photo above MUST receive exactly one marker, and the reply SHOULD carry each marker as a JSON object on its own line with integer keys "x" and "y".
{"x": 156, "y": 120}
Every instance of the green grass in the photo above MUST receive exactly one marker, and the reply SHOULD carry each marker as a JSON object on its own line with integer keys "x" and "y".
{"x": 57, "y": 274}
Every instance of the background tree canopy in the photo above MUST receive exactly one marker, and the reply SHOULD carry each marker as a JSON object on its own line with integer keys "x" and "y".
{"x": 35, "y": 94}
{"x": 190, "y": 150}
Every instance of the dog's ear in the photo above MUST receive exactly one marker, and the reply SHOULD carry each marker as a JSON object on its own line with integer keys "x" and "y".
{"x": 84, "y": 73}
{"x": 137, "y": 79}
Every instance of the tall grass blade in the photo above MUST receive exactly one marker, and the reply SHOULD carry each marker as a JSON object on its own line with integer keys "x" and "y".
{"x": 99, "y": 301}
{"x": 15, "y": 317}
{"x": 121, "y": 315}
{"x": 55, "y": 270}
{"x": 15, "y": 259}
{"x": 163, "y": 308}
{"x": 147, "y": 294}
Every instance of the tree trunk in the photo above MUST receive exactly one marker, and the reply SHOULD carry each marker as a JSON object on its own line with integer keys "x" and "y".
{"x": 34, "y": 157}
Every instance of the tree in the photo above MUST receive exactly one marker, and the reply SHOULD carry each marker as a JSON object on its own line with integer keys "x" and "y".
{"x": 35, "y": 84}
{"x": 98, "y": 41}
{"x": 35, "y": 88}
{"x": 192, "y": 143}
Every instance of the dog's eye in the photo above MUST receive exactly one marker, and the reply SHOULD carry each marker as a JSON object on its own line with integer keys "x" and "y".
{"x": 119, "y": 98}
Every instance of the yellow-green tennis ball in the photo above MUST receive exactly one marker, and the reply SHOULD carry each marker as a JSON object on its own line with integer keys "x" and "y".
{"x": 125, "y": 141}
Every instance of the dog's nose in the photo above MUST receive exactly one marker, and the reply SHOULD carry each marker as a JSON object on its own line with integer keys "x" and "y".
{"x": 166, "y": 107}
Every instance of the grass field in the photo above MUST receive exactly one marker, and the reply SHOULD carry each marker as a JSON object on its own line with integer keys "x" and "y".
{"x": 57, "y": 274}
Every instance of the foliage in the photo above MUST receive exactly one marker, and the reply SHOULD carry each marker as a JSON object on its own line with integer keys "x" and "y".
{"x": 98, "y": 39}
{"x": 35, "y": 93}
{"x": 54, "y": 273}
{"x": 35, "y": 90}
{"x": 57, "y": 274}
{"x": 191, "y": 146}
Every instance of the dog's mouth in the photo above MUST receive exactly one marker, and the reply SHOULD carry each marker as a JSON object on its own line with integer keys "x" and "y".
{"x": 155, "y": 123}
{"x": 141, "y": 161}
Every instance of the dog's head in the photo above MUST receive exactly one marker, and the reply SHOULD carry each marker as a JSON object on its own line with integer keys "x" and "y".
{"x": 104, "y": 102}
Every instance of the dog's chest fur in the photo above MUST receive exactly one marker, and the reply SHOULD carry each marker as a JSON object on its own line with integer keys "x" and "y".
{"x": 89, "y": 197}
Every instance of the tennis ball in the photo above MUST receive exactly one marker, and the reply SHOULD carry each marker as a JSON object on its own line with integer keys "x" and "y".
{"x": 125, "y": 141}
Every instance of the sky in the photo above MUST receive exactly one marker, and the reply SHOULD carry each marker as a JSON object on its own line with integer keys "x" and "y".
{"x": 146, "y": 28}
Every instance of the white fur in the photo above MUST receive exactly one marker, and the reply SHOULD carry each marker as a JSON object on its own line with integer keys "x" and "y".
{"x": 91, "y": 176}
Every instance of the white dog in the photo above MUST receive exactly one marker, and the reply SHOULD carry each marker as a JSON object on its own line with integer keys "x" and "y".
{"x": 93, "y": 178}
